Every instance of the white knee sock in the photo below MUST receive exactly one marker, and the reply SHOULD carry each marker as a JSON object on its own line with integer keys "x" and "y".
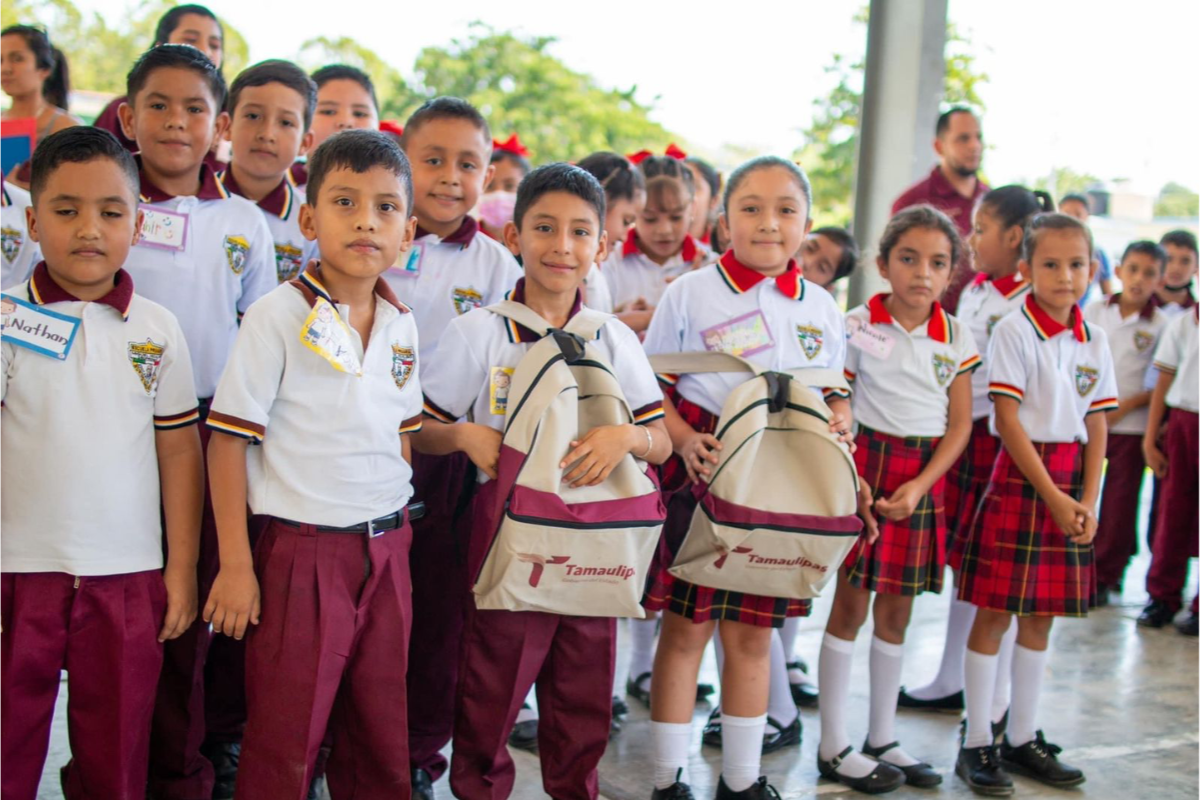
{"x": 1028, "y": 669}
{"x": 641, "y": 654}
{"x": 741, "y": 750}
{"x": 980, "y": 679}
{"x": 672, "y": 741}
{"x": 787, "y": 634}
{"x": 780, "y": 706}
{"x": 950, "y": 672}
{"x": 886, "y": 661}
{"x": 833, "y": 670}
{"x": 1004, "y": 672}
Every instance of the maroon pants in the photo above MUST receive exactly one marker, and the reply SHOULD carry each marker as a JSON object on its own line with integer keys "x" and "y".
{"x": 104, "y": 632}
{"x": 1178, "y": 534}
{"x": 440, "y": 588}
{"x": 329, "y": 653}
{"x": 1116, "y": 539}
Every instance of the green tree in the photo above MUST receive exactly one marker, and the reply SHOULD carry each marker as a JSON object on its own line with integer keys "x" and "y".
{"x": 1064, "y": 181}
{"x": 1177, "y": 201}
{"x": 391, "y": 90}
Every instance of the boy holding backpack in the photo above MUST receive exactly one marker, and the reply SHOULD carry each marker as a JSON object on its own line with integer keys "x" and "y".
{"x": 558, "y": 230}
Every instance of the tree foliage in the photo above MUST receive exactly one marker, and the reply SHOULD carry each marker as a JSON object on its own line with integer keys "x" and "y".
{"x": 1063, "y": 181}
{"x": 1177, "y": 201}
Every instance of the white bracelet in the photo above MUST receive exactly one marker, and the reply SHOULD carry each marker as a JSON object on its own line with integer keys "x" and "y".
{"x": 649, "y": 443}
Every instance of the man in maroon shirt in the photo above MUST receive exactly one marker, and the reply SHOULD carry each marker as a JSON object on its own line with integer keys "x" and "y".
{"x": 953, "y": 186}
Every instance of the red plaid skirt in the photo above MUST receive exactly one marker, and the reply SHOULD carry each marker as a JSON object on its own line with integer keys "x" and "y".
{"x": 909, "y": 557}
{"x": 1014, "y": 558}
{"x": 966, "y": 480}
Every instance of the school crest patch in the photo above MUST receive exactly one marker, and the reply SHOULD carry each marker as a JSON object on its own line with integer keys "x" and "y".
{"x": 943, "y": 368}
{"x": 991, "y": 323}
{"x": 146, "y": 359}
{"x": 1085, "y": 379}
{"x": 237, "y": 250}
{"x": 404, "y": 361}
{"x": 466, "y": 300}
{"x": 1142, "y": 340}
{"x": 811, "y": 340}
{"x": 288, "y": 261}
{"x": 11, "y": 240}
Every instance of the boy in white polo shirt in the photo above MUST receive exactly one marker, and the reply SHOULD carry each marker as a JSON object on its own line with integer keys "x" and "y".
{"x": 19, "y": 252}
{"x": 270, "y": 108}
{"x": 323, "y": 379}
{"x": 98, "y": 414}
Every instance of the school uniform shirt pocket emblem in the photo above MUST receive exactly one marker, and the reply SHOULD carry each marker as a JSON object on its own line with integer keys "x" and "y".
{"x": 287, "y": 261}
{"x": 811, "y": 340}
{"x": 1085, "y": 379}
{"x": 1142, "y": 340}
{"x": 404, "y": 361}
{"x": 237, "y": 250}
{"x": 11, "y": 240}
{"x": 991, "y": 322}
{"x": 146, "y": 359}
{"x": 466, "y": 299}
{"x": 943, "y": 368}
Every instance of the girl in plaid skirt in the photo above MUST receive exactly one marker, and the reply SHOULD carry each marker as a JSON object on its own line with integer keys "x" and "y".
{"x": 910, "y": 364}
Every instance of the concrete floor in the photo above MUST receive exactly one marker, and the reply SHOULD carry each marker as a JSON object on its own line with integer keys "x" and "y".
{"x": 1120, "y": 700}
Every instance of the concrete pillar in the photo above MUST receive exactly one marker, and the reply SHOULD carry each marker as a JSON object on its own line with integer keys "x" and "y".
{"x": 905, "y": 76}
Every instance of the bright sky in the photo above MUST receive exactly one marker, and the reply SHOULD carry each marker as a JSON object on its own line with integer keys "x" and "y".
{"x": 1107, "y": 87}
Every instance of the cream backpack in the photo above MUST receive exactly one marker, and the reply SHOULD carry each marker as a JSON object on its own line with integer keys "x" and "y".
{"x": 778, "y": 514}
{"x": 577, "y": 551}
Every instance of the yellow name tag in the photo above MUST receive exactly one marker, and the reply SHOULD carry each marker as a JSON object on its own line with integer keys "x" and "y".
{"x": 500, "y": 381}
{"x": 327, "y": 335}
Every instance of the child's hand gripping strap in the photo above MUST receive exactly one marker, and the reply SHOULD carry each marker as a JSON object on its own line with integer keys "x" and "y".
{"x": 716, "y": 361}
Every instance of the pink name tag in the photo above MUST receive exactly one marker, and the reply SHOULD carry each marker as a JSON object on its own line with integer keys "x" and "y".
{"x": 740, "y": 336}
{"x": 870, "y": 339}
{"x": 409, "y": 264}
{"x": 163, "y": 229}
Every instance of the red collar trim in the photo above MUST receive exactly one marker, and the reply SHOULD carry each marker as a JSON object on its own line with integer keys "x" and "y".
{"x": 278, "y": 201}
{"x": 631, "y": 246}
{"x": 210, "y": 187}
{"x": 465, "y": 233}
{"x": 310, "y": 285}
{"x": 937, "y": 328}
{"x": 740, "y": 278}
{"x": 1047, "y": 327}
{"x": 519, "y": 333}
{"x": 43, "y": 289}
{"x": 1009, "y": 286}
{"x": 1147, "y": 312}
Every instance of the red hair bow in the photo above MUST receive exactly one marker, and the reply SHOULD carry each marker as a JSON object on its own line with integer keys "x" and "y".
{"x": 513, "y": 145}
{"x": 672, "y": 151}
{"x": 391, "y": 126}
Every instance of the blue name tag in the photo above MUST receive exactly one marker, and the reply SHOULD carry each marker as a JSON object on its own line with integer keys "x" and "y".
{"x": 37, "y": 328}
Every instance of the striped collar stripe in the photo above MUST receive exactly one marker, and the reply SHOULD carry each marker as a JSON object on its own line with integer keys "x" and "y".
{"x": 937, "y": 328}
{"x": 1047, "y": 327}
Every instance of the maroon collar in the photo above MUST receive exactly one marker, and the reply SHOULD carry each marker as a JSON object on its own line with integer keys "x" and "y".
{"x": 1147, "y": 312}
{"x": 277, "y": 202}
{"x": 43, "y": 289}
{"x": 210, "y": 187}
{"x": 465, "y": 233}
{"x": 518, "y": 332}
{"x": 310, "y": 285}
{"x": 298, "y": 174}
{"x": 940, "y": 185}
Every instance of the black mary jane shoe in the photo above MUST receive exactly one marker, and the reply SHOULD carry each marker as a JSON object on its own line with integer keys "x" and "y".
{"x": 884, "y": 778}
{"x": 782, "y": 736}
{"x": 1156, "y": 614}
{"x": 1189, "y": 625}
{"x": 921, "y": 775}
{"x": 1038, "y": 759}
{"x": 524, "y": 735}
{"x": 759, "y": 790}
{"x": 676, "y": 791}
{"x": 422, "y": 785}
{"x": 950, "y": 704}
{"x": 634, "y": 688}
{"x": 804, "y": 695}
{"x": 980, "y": 768}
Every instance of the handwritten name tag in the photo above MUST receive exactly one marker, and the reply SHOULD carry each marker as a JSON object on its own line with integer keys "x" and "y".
{"x": 327, "y": 335}
{"x": 409, "y": 264}
{"x": 740, "y": 336}
{"x": 868, "y": 338}
{"x": 36, "y": 328}
{"x": 163, "y": 229}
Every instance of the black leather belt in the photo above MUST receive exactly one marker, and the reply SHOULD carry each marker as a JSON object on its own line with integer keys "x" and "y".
{"x": 373, "y": 527}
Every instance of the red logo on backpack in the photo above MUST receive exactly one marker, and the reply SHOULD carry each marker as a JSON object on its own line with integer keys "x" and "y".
{"x": 539, "y": 565}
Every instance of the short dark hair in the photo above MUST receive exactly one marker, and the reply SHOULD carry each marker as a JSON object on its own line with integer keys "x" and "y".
{"x": 521, "y": 161}
{"x": 446, "y": 108}
{"x": 850, "y": 252}
{"x": 176, "y": 56}
{"x": 278, "y": 71}
{"x": 617, "y": 174}
{"x": 359, "y": 150}
{"x": 169, "y": 21}
{"x": 345, "y": 72}
{"x": 1179, "y": 238}
{"x": 77, "y": 145}
{"x": 57, "y": 86}
{"x": 559, "y": 177}
{"x": 1146, "y": 248}
{"x": 943, "y": 120}
{"x": 706, "y": 170}
{"x": 1052, "y": 221}
{"x": 1015, "y": 205}
{"x": 767, "y": 162}
{"x": 1075, "y": 197}
{"x": 920, "y": 216}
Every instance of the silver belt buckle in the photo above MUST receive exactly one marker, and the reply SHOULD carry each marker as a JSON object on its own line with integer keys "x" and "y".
{"x": 371, "y": 532}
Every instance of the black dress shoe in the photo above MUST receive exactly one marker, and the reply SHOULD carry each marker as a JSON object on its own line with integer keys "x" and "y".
{"x": 980, "y": 768}
{"x": 884, "y": 778}
{"x": 777, "y": 737}
{"x": 524, "y": 735}
{"x": 759, "y": 790}
{"x": 224, "y": 757}
{"x": 1101, "y": 598}
{"x": 804, "y": 695}
{"x": 422, "y": 785}
{"x": 1038, "y": 759}
{"x": 799, "y": 664}
{"x": 921, "y": 775}
{"x": 711, "y": 735}
{"x": 1189, "y": 625}
{"x": 1156, "y": 614}
{"x": 634, "y": 689}
{"x": 950, "y": 704}
{"x": 619, "y": 707}
{"x": 676, "y": 791}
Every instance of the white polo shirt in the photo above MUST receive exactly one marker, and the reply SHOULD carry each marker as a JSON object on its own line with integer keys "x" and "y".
{"x": 1178, "y": 353}
{"x": 330, "y": 440}
{"x": 902, "y": 378}
{"x": 227, "y": 261}
{"x": 1058, "y": 374}
{"x": 480, "y": 351}
{"x": 443, "y": 279}
{"x": 780, "y": 323}
{"x": 281, "y": 210}
{"x": 1173, "y": 310}
{"x": 599, "y": 293}
{"x": 632, "y": 275}
{"x": 18, "y": 252}
{"x": 983, "y": 303}
{"x": 78, "y": 464}
{"x": 1132, "y": 340}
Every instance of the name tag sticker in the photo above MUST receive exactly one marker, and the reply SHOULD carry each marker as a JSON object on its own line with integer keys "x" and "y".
{"x": 327, "y": 335}
{"x": 501, "y": 380}
{"x": 870, "y": 339}
{"x": 163, "y": 229}
{"x": 740, "y": 336}
{"x": 36, "y": 328}
{"x": 409, "y": 264}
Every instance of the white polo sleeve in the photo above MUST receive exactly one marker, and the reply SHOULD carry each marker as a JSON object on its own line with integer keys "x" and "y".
{"x": 1106, "y": 384}
{"x": 856, "y": 316}
{"x": 667, "y": 326}
{"x": 634, "y": 373}
{"x": 452, "y": 382}
{"x": 259, "y": 276}
{"x": 253, "y": 373}
{"x": 835, "y": 340}
{"x": 969, "y": 358}
{"x": 1008, "y": 361}
{"x": 175, "y": 395}
{"x": 1169, "y": 353}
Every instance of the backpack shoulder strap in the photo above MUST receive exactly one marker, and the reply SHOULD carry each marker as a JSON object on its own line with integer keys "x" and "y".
{"x": 587, "y": 323}
{"x": 716, "y": 361}
{"x": 522, "y": 315}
